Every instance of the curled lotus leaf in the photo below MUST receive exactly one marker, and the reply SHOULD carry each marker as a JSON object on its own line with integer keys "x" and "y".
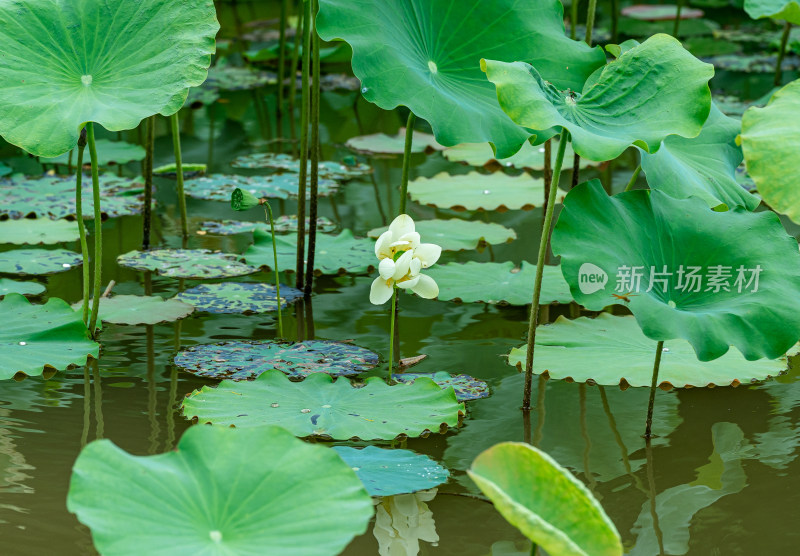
{"x": 466, "y": 387}
{"x": 28, "y": 231}
{"x": 23, "y": 288}
{"x": 218, "y": 187}
{"x": 286, "y": 163}
{"x": 475, "y": 191}
{"x": 108, "y": 152}
{"x": 238, "y": 297}
{"x": 456, "y": 234}
{"x": 529, "y": 157}
{"x": 787, "y": 10}
{"x": 380, "y": 143}
{"x": 285, "y": 224}
{"x": 140, "y": 309}
{"x": 320, "y": 406}
{"x": 38, "y": 261}
{"x": 187, "y": 263}
{"x": 247, "y": 359}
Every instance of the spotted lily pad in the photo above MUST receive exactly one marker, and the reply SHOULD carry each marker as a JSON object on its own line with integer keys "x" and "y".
{"x": 286, "y": 163}
{"x": 500, "y": 283}
{"x": 24, "y": 288}
{"x": 241, "y": 298}
{"x": 753, "y": 63}
{"x": 218, "y": 187}
{"x": 323, "y": 407}
{"x": 140, "y": 309}
{"x": 466, "y": 387}
{"x": 612, "y": 350}
{"x": 38, "y": 261}
{"x": 27, "y": 231}
{"x": 237, "y": 78}
{"x": 247, "y": 359}
{"x": 390, "y": 472}
{"x": 380, "y": 143}
{"x": 528, "y": 157}
{"x": 334, "y": 254}
{"x": 285, "y": 224}
{"x": 186, "y": 263}
{"x": 475, "y": 191}
{"x": 456, "y": 234}
{"x": 35, "y": 337}
{"x": 108, "y": 152}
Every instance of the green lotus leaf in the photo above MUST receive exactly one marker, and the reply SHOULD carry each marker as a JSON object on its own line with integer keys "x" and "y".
{"x": 544, "y": 501}
{"x": 286, "y": 163}
{"x": 391, "y": 472}
{"x": 35, "y": 337}
{"x": 787, "y": 10}
{"x": 319, "y": 406}
{"x": 712, "y": 284}
{"x": 27, "y": 231}
{"x": 613, "y": 351}
{"x": 770, "y": 141}
{"x": 651, "y": 91}
{"x": 186, "y": 263}
{"x": 113, "y": 63}
{"x": 456, "y": 234}
{"x": 380, "y": 143}
{"x": 231, "y": 491}
{"x": 238, "y": 297}
{"x": 467, "y": 388}
{"x": 38, "y": 261}
{"x": 474, "y": 191}
{"x": 500, "y": 283}
{"x": 425, "y": 54}
{"x": 247, "y": 359}
{"x": 190, "y": 170}
{"x": 338, "y": 254}
{"x": 140, "y": 309}
{"x": 108, "y": 152}
{"x": 218, "y": 187}
{"x": 528, "y": 157}
{"x": 704, "y": 166}
{"x": 23, "y": 288}
{"x": 237, "y": 78}
{"x": 285, "y": 224}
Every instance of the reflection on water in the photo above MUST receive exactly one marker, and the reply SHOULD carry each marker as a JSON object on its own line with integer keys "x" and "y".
{"x": 402, "y": 521}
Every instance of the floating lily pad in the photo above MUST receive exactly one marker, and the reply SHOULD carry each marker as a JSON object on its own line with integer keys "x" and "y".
{"x": 466, "y": 387}
{"x": 661, "y": 12}
{"x": 189, "y": 170}
{"x": 528, "y": 157}
{"x": 613, "y": 350}
{"x": 247, "y": 359}
{"x": 734, "y": 106}
{"x": 38, "y": 261}
{"x": 256, "y": 491}
{"x": 140, "y": 309}
{"x": 320, "y": 406}
{"x": 500, "y": 283}
{"x": 286, "y": 163}
{"x": 285, "y": 224}
{"x": 380, "y": 143}
{"x": 753, "y": 63}
{"x": 235, "y": 297}
{"x": 108, "y": 152}
{"x": 5, "y": 170}
{"x": 35, "y": 337}
{"x": 333, "y": 255}
{"x": 27, "y": 231}
{"x": 391, "y": 472}
{"x": 186, "y": 263}
{"x": 237, "y": 78}
{"x": 456, "y": 234}
{"x": 218, "y": 187}
{"x": 787, "y": 10}
{"x": 475, "y": 191}
{"x": 23, "y": 288}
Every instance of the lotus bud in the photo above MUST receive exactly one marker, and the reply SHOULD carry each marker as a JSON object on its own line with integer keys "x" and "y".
{"x": 82, "y": 138}
{"x": 244, "y": 200}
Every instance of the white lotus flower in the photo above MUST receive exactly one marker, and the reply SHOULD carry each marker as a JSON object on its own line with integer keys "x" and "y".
{"x": 402, "y": 257}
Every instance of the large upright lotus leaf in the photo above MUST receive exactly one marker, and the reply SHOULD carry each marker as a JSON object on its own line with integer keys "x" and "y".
{"x": 238, "y": 297}
{"x": 425, "y": 54}
{"x": 218, "y": 187}
{"x": 501, "y": 283}
{"x": 113, "y": 63}
{"x": 231, "y": 491}
{"x": 474, "y": 191}
{"x": 140, "y": 309}
{"x": 27, "y": 231}
{"x": 457, "y": 234}
{"x": 320, "y": 406}
{"x": 380, "y": 143}
{"x": 187, "y": 263}
{"x": 612, "y": 350}
{"x": 545, "y": 501}
{"x": 787, "y": 10}
{"x": 651, "y": 91}
{"x": 770, "y": 141}
{"x": 704, "y": 166}
{"x": 35, "y": 337}
{"x": 247, "y": 359}
{"x": 528, "y": 157}
{"x": 391, "y": 472}
{"x": 333, "y": 255}
{"x": 695, "y": 255}
{"x": 38, "y": 261}
{"x": 24, "y": 288}
{"x": 285, "y": 224}
{"x": 286, "y": 163}
{"x": 108, "y": 152}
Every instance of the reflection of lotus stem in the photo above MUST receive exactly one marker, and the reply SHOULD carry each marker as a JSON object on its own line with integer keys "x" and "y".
{"x": 590, "y": 20}
{"x": 147, "y": 216}
{"x": 176, "y": 145}
{"x": 301, "y": 184}
{"x": 781, "y": 53}
{"x": 677, "y": 18}
{"x": 271, "y": 221}
{"x": 537, "y": 286}
{"x": 391, "y": 332}
{"x": 653, "y": 385}
{"x": 406, "y": 161}
{"x": 293, "y": 81}
{"x": 652, "y": 494}
{"x": 634, "y": 177}
{"x": 281, "y": 68}
{"x": 82, "y": 225}
{"x": 98, "y": 229}
{"x": 315, "y": 96}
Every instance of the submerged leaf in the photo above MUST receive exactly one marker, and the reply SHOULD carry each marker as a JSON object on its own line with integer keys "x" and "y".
{"x": 285, "y": 224}
{"x": 219, "y": 187}
{"x": 380, "y": 143}
{"x": 466, "y": 387}
{"x": 284, "y": 162}
{"x": 475, "y": 191}
{"x": 186, "y": 263}
{"x": 391, "y": 472}
{"x": 238, "y": 297}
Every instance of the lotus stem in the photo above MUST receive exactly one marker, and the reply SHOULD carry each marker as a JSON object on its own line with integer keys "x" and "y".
{"x": 176, "y": 146}
{"x": 634, "y": 177}
{"x": 98, "y": 230}
{"x": 573, "y": 18}
{"x": 537, "y": 286}
{"x": 534, "y": 548}
{"x": 304, "y": 115}
{"x": 653, "y": 386}
{"x": 69, "y": 161}
{"x": 576, "y": 170}
{"x": 614, "y": 21}
{"x": 293, "y": 83}
{"x": 148, "y": 182}
{"x": 590, "y": 20}
{"x": 82, "y": 226}
{"x": 407, "y": 161}
{"x": 315, "y": 152}
{"x": 271, "y": 222}
{"x": 548, "y": 178}
{"x": 281, "y": 66}
{"x": 391, "y": 333}
{"x": 787, "y": 28}
{"x": 677, "y": 18}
